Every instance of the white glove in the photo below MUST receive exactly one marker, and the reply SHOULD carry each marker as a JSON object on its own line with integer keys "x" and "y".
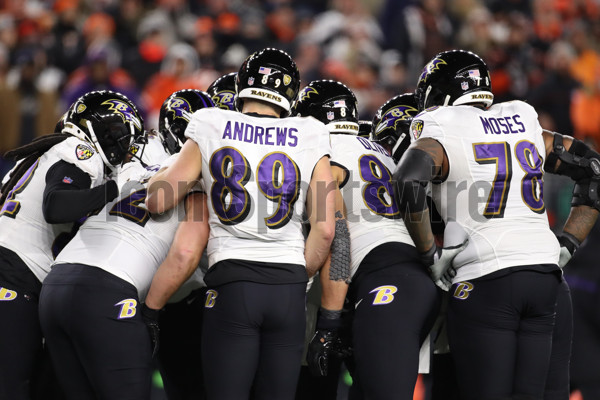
{"x": 439, "y": 261}
{"x": 442, "y": 272}
{"x": 568, "y": 246}
{"x": 564, "y": 257}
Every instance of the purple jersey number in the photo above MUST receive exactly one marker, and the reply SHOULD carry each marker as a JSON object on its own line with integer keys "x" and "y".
{"x": 11, "y": 207}
{"x": 378, "y": 192}
{"x": 230, "y": 172}
{"x": 277, "y": 176}
{"x": 129, "y": 208}
{"x": 278, "y": 179}
{"x": 532, "y": 184}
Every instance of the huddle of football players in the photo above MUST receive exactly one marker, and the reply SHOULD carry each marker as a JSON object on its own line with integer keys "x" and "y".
{"x": 195, "y": 244}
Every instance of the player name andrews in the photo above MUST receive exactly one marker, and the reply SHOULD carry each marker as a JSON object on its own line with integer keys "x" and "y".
{"x": 273, "y": 136}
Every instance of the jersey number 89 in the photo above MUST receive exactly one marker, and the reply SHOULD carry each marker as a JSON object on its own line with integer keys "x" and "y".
{"x": 277, "y": 177}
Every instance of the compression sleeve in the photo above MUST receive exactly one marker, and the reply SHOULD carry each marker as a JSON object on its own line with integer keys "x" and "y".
{"x": 67, "y": 196}
{"x": 412, "y": 175}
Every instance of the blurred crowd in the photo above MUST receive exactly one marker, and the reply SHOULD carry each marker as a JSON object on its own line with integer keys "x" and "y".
{"x": 52, "y": 51}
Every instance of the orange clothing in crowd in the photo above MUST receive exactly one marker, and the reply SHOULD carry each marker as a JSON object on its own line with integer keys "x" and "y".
{"x": 585, "y": 104}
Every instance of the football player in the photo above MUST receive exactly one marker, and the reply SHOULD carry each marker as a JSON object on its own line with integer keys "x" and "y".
{"x": 90, "y": 305}
{"x": 486, "y": 162}
{"x": 59, "y": 179}
{"x": 222, "y": 91}
{"x": 391, "y": 123}
{"x": 395, "y": 303}
{"x": 180, "y": 319}
{"x": 252, "y": 164}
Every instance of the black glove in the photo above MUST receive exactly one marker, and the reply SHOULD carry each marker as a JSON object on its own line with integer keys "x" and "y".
{"x": 568, "y": 246}
{"x": 150, "y": 318}
{"x": 326, "y": 342}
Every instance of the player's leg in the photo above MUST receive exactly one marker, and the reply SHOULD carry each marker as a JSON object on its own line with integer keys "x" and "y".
{"x": 312, "y": 387}
{"x": 535, "y": 331}
{"x": 482, "y": 332}
{"x": 557, "y": 383}
{"x": 113, "y": 341}
{"x": 179, "y": 354}
{"x": 20, "y": 336}
{"x": 108, "y": 333}
{"x": 20, "y": 342}
{"x": 282, "y": 340}
{"x": 395, "y": 309}
{"x": 45, "y": 383}
{"x": 55, "y": 318}
{"x": 230, "y": 341}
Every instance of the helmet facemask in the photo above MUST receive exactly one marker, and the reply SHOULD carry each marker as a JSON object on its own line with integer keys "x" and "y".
{"x": 112, "y": 138}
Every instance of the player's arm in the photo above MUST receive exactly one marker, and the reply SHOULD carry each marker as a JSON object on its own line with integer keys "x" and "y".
{"x": 68, "y": 196}
{"x": 320, "y": 207}
{"x": 335, "y": 273}
{"x": 573, "y": 158}
{"x": 423, "y": 162}
{"x": 334, "y": 277}
{"x": 184, "y": 255}
{"x": 170, "y": 185}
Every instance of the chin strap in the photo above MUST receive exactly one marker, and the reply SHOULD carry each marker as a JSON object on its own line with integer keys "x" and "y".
{"x": 98, "y": 148}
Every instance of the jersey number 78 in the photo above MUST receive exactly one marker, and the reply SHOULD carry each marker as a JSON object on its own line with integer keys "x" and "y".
{"x": 532, "y": 184}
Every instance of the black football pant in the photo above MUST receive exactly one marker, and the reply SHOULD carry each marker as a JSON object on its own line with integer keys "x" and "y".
{"x": 395, "y": 308}
{"x": 557, "y": 384}
{"x": 179, "y": 355}
{"x": 20, "y": 332}
{"x": 500, "y": 334}
{"x": 20, "y": 342}
{"x": 98, "y": 342}
{"x": 253, "y": 334}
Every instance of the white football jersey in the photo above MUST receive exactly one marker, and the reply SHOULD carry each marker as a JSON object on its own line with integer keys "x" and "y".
{"x": 372, "y": 214}
{"x": 23, "y": 228}
{"x": 495, "y": 184}
{"x": 256, "y": 172}
{"x": 124, "y": 238}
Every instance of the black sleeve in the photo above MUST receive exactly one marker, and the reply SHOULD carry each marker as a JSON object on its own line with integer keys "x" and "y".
{"x": 67, "y": 196}
{"x": 414, "y": 171}
{"x": 437, "y": 222}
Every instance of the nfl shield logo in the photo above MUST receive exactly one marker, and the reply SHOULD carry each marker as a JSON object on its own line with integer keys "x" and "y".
{"x": 464, "y": 85}
{"x": 330, "y": 115}
{"x": 251, "y": 81}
